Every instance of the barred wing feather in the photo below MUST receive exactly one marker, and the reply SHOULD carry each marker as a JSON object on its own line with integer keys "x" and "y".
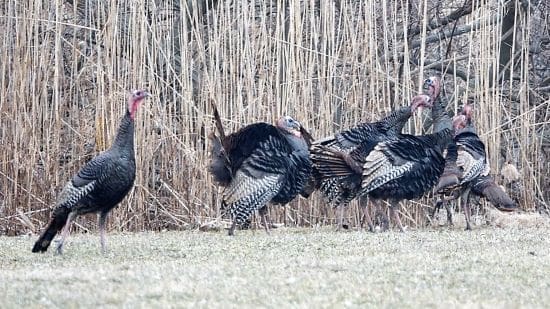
{"x": 380, "y": 168}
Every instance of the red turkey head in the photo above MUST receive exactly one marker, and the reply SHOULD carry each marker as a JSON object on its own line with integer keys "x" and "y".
{"x": 420, "y": 100}
{"x": 434, "y": 87}
{"x": 459, "y": 122}
{"x": 290, "y": 125}
{"x": 135, "y": 99}
{"x": 467, "y": 110}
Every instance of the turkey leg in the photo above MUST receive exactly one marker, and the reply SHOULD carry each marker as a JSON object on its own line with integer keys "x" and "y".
{"x": 102, "y": 221}
{"x": 382, "y": 217}
{"x": 438, "y": 205}
{"x": 232, "y": 228}
{"x": 263, "y": 214}
{"x": 436, "y": 208}
{"x": 340, "y": 217}
{"x": 466, "y": 208}
{"x": 65, "y": 232}
{"x": 365, "y": 207}
{"x": 393, "y": 212}
{"x": 448, "y": 208}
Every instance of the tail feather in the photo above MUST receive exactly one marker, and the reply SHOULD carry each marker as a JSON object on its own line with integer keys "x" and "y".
{"x": 329, "y": 163}
{"x": 59, "y": 218}
{"x": 219, "y": 165}
{"x": 326, "y": 141}
{"x": 218, "y": 120}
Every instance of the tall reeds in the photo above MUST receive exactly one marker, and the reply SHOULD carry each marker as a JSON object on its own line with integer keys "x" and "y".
{"x": 67, "y": 66}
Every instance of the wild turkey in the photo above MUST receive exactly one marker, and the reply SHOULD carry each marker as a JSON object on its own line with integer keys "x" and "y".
{"x": 99, "y": 185}
{"x": 467, "y": 172}
{"x": 258, "y": 164}
{"x": 388, "y": 128}
{"x": 392, "y": 170}
{"x": 470, "y": 163}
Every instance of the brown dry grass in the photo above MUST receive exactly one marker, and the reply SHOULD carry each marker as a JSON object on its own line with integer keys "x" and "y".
{"x": 66, "y": 67}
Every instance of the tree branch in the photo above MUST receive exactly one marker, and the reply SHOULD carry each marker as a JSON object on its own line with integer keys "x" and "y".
{"x": 443, "y": 67}
{"x": 436, "y": 23}
{"x": 458, "y": 31}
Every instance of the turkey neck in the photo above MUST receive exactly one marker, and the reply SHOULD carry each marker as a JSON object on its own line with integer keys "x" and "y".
{"x": 440, "y": 118}
{"x": 396, "y": 120}
{"x": 468, "y": 129}
{"x": 442, "y": 139}
{"x": 124, "y": 140}
{"x": 298, "y": 144}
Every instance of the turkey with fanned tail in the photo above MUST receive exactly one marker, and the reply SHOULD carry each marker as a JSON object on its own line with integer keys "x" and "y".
{"x": 258, "y": 164}
{"x": 388, "y": 128}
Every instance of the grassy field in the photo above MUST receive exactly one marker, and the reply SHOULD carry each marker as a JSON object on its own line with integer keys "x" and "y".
{"x": 488, "y": 267}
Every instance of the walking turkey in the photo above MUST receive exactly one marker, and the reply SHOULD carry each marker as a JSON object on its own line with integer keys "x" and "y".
{"x": 99, "y": 185}
{"x": 388, "y": 128}
{"x": 467, "y": 171}
{"x": 258, "y": 164}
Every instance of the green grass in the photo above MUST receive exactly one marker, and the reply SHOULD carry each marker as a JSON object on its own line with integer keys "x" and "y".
{"x": 487, "y": 267}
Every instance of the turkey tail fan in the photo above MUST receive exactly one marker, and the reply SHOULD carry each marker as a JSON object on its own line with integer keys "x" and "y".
{"x": 218, "y": 120}
{"x": 327, "y": 141}
{"x": 58, "y": 221}
{"x": 329, "y": 163}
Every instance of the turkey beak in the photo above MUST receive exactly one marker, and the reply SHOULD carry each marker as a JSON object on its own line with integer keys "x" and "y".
{"x": 429, "y": 102}
{"x": 297, "y": 126}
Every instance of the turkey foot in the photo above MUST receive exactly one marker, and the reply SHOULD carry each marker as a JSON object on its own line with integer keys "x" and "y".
{"x": 341, "y": 225}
